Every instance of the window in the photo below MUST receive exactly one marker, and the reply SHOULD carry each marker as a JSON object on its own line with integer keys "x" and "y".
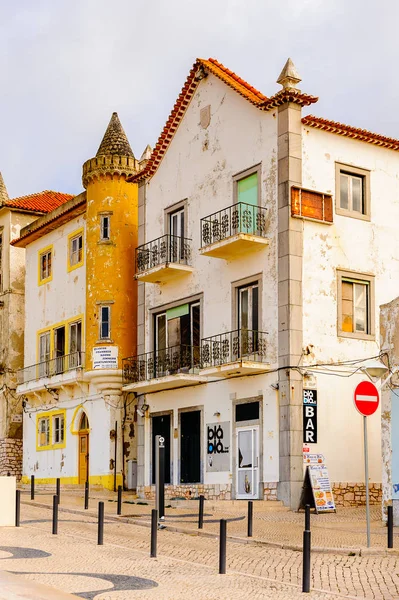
{"x": 75, "y": 345}
{"x": 50, "y": 427}
{"x": 44, "y": 432}
{"x": 352, "y": 192}
{"x": 58, "y": 429}
{"x": 246, "y": 196}
{"x": 105, "y": 322}
{"x": 105, "y": 233}
{"x": 355, "y": 305}
{"x": 44, "y": 354}
{"x": 75, "y": 249}
{"x": 176, "y": 230}
{"x": 178, "y": 337}
{"x": 45, "y": 265}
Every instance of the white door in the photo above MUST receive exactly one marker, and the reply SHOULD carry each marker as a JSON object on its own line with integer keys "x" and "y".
{"x": 176, "y": 230}
{"x": 247, "y": 478}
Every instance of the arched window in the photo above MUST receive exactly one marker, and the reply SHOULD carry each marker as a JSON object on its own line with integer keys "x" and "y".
{"x": 84, "y": 423}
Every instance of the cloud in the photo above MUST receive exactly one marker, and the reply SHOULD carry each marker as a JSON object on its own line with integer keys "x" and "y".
{"x": 67, "y": 65}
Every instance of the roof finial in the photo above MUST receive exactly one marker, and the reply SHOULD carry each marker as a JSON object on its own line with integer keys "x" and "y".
{"x": 3, "y": 191}
{"x": 289, "y": 77}
{"x": 115, "y": 140}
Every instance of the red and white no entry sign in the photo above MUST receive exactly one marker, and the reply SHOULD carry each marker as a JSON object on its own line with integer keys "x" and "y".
{"x": 366, "y": 398}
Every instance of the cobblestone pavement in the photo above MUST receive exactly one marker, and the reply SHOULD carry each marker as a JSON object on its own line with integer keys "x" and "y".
{"x": 186, "y": 565}
{"x": 344, "y": 530}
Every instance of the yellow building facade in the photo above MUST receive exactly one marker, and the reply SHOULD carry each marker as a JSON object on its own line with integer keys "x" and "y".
{"x": 81, "y": 321}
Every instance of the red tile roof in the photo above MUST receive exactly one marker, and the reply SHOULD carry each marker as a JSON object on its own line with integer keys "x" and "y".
{"x": 351, "y": 132}
{"x": 200, "y": 68}
{"x": 42, "y": 202}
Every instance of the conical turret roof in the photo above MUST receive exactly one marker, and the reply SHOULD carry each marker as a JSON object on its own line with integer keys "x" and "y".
{"x": 115, "y": 140}
{"x": 3, "y": 191}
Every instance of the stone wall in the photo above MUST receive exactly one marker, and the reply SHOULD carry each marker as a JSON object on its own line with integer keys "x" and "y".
{"x": 354, "y": 494}
{"x": 210, "y": 491}
{"x": 11, "y": 457}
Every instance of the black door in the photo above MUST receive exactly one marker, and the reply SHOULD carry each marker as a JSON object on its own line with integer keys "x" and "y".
{"x": 190, "y": 447}
{"x": 161, "y": 426}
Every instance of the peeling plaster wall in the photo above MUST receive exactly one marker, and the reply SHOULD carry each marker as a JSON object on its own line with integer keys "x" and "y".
{"x": 354, "y": 245}
{"x": 199, "y": 167}
{"x": 389, "y": 321}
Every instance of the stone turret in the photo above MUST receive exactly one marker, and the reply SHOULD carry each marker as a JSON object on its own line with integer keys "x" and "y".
{"x": 114, "y": 155}
{"x": 3, "y": 191}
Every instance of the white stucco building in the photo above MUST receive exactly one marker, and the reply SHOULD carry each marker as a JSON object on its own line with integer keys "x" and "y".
{"x": 267, "y": 242}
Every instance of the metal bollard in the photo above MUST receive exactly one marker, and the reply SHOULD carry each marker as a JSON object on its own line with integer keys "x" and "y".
{"x": 18, "y": 509}
{"x": 100, "y": 536}
{"x": 55, "y": 515}
{"x": 250, "y": 517}
{"x": 306, "y": 552}
{"x": 58, "y": 489}
{"x": 154, "y": 532}
{"x": 307, "y": 517}
{"x": 32, "y": 487}
{"x": 222, "y": 547}
{"x": 201, "y": 512}
{"x": 390, "y": 526}
{"x": 119, "y": 510}
{"x": 86, "y": 495}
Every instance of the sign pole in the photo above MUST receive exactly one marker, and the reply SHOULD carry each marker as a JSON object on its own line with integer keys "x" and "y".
{"x": 160, "y": 476}
{"x": 367, "y": 400}
{"x": 366, "y": 475}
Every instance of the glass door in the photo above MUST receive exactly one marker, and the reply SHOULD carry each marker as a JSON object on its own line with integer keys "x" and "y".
{"x": 247, "y": 200}
{"x": 44, "y": 354}
{"x": 248, "y": 319}
{"x": 247, "y": 477}
{"x": 176, "y": 230}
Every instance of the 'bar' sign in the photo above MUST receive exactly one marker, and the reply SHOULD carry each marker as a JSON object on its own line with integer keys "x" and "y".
{"x": 309, "y": 416}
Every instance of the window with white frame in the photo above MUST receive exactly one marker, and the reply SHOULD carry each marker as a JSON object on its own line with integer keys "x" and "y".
{"x": 355, "y": 305}
{"x": 105, "y": 322}
{"x": 58, "y": 429}
{"x": 105, "y": 228}
{"x": 45, "y": 265}
{"x": 352, "y": 192}
{"x": 76, "y": 250}
{"x": 44, "y": 432}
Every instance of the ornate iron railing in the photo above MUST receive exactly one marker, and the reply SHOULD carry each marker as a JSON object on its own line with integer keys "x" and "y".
{"x": 232, "y": 346}
{"x": 169, "y": 361}
{"x": 238, "y": 218}
{"x": 48, "y": 368}
{"x": 163, "y": 250}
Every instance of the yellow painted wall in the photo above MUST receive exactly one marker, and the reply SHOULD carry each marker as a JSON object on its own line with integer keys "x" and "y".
{"x": 110, "y": 266}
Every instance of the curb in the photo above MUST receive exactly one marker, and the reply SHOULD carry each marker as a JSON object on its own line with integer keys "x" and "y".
{"x": 235, "y": 539}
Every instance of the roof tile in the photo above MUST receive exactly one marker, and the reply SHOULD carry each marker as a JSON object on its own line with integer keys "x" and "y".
{"x": 42, "y": 202}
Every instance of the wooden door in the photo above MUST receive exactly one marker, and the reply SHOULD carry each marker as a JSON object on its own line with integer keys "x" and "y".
{"x": 83, "y": 457}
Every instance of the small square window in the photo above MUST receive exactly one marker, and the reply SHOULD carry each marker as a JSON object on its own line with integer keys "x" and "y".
{"x": 76, "y": 250}
{"x": 58, "y": 429}
{"x": 105, "y": 223}
{"x": 105, "y": 322}
{"x": 355, "y": 305}
{"x": 45, "y": 266}
{"x": 352, "y": 192}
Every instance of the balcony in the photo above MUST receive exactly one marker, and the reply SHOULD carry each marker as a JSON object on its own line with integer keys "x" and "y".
{"x": 239, "y": 352}
{"x": 173, "y": 367}
{"x": 234, "y": 231}
{"x": 163, "y": 259}
{"x": 55, "y": 373}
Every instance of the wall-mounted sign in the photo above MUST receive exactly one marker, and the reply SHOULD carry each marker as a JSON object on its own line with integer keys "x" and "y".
{"x": 309, "y": 416}
{"x": 218, "y": 450}
{"x": 16, "y": 419}
{"x": 105, "y": 357}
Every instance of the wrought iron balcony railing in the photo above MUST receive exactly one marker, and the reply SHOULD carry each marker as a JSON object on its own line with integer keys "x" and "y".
{"x": 163, "y": 250}
{"x": 238, "y": 218}
{"x": 169, "y": 361}
{"x": 241, "y": 344}
{"x": 53, "y": 366}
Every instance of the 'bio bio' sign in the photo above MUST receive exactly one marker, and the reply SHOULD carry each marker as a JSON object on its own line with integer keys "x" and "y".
{"x": 309, "y": 416}
{"x": 218, "y": 453}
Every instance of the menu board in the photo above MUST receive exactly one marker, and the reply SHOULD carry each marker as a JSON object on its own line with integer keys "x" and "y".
{"x": 313, "y": 459}
{"x": 321, "y": 486}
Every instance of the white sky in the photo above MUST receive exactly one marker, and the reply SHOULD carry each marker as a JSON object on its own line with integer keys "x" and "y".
{"x": 66, "y": 65}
